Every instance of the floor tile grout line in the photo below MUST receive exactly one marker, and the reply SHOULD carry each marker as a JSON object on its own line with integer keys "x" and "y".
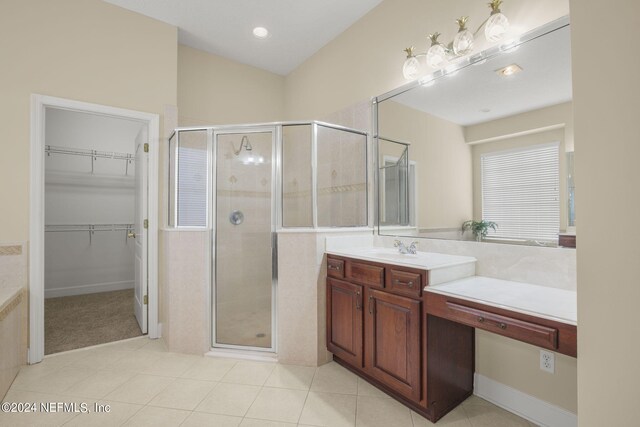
{"x": 307, "y": 396}
{"x": 253, "y": 401}
{"x": 303, "y": 404}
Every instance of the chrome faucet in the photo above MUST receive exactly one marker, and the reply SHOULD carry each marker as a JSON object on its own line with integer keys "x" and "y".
{"x": 403, "y": 249}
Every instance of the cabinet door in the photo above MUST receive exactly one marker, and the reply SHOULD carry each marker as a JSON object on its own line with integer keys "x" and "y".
{"x": 344, "y": 321}
{"x": 392, "y": 337}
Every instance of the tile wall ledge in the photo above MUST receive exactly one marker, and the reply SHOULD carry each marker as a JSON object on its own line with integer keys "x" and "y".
{"x": 324, "y": 230}
{"x": 188, "y": 229}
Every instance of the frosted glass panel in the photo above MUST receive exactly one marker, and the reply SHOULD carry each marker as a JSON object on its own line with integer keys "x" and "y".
{"x": 297, "y": 205}
{"x": 342, "y": 178}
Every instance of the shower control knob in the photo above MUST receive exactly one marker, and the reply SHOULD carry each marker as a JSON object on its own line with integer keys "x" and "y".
{"x": 236, "y": 217}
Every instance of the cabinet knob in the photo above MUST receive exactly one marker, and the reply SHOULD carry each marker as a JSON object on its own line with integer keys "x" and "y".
{"x": 503, "y": 326}
{"x": 480, "y": 319}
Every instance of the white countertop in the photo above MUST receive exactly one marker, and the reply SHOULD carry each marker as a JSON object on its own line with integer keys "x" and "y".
{"x": 541, "y": 301}
{"x": 421, "y": 260}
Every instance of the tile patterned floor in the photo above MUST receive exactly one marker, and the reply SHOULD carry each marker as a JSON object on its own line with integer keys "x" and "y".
{"x": 147, "y": 386}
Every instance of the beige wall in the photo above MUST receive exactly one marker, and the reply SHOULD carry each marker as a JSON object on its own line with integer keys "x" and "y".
{"x": 84, "y": 50}
{"x": 443, "y": 163}
{"x": 214, "y": 90}
{"x": 365, "y": 61}
{"x": 606, "y": 105}
{"x": 555, "y": 117}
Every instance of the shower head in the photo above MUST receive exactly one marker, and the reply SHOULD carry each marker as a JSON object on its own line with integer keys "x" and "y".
{"x": 243, "y": 143}
{"x": 247, "y": 145}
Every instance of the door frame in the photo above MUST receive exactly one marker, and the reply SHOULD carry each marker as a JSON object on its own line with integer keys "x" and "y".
{"x": 36, "y": 210}
{"x": 275, "y": 220}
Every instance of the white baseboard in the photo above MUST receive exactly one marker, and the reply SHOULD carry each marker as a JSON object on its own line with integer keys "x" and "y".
{"x": 87, "y": 289}
{"x": 531, "y": 408}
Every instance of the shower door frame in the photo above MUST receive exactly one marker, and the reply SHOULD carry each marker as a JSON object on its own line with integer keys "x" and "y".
{"x": 276, "y": 150}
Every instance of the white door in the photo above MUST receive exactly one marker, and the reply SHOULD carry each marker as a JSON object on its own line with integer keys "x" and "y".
{"x": 140, "y": 232}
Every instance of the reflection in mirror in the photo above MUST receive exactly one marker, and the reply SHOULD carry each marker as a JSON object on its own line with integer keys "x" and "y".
{"x": 484, "y": 144}
{"x": 395, "y": 183}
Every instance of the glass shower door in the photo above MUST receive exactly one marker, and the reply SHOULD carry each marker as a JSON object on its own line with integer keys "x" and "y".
{"x": 244, "y": 287}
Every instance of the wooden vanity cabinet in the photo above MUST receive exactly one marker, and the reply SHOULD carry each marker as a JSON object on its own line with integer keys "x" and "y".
{"x": 344, "y": 321}
{"x": 377, "y": 326}
{"x": 392, "y": 339}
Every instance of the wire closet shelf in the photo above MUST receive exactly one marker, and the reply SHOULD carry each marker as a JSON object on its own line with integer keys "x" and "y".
{"x": 128, "y": 158}
{"x": 90, "y": 228}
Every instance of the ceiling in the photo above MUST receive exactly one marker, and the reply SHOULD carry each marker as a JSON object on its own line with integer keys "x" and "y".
{"x": 298, "y": 28}
{"x": 465, "y": 97}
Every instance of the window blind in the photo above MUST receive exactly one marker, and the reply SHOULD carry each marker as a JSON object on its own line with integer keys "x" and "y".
{"x": 192, "y": 187}
{"x": 520, "y": 192}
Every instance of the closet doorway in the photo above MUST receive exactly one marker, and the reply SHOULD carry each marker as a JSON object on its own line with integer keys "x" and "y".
{"x": 93, "y": 232}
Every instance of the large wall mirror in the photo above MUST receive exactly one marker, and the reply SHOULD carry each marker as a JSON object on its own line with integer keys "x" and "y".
{"x": 491, "y": 141}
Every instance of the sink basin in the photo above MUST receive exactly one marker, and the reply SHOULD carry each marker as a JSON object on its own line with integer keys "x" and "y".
{"x": 441, "y": 267}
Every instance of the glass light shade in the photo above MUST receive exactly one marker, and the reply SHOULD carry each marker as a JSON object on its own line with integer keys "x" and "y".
{"x": 496, "y": 27}
{"x": 410, "y": 68}
{"x": 463, "y": 42}
{"x": 436, "y": 56}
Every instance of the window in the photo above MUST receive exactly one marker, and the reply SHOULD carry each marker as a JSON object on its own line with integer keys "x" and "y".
{"x": 520, "y": 192}
{"x": 188, "y": 166}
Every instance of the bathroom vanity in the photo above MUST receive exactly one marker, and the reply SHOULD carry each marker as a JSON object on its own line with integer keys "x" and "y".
{"x": 405, "y": 322}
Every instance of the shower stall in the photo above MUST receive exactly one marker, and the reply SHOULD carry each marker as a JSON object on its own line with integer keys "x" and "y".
{"x": 244, "y": 184}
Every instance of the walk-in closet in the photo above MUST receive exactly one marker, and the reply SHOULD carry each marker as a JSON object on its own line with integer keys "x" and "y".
{"x": 90, "y": 246}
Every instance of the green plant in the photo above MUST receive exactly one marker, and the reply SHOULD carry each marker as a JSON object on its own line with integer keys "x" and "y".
{"x": 479, "y": 228}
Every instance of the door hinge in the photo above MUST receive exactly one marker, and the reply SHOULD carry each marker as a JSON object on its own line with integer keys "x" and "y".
{"x": 146, "y": 223}
{"x": 146, "y": 299}
{"x": 146, "y": 148}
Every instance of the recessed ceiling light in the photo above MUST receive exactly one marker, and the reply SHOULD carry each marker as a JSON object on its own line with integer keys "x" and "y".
{"x": 509, "y": 70}
{"x": 260, "y": 32}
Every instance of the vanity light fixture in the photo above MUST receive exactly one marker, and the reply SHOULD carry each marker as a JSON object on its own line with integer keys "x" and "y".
{"x": 260, "y": 33}
{"x": 509, "y": 70}
{"x": 439, "y": 55}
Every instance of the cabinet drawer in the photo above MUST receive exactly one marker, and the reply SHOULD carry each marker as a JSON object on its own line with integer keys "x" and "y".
{"x": 405, "y": 282}
{"x": 335, "y": 268}
{"x": 366, "y": 274}
{"x": 542, "y": 336}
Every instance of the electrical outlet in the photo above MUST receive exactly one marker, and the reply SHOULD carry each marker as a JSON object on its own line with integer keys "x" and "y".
{"x": 547, "y": 361}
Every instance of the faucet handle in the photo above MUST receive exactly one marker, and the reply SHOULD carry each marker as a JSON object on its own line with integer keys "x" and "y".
{"x": 396, "y": 243}
{"x": 415, "y": 243}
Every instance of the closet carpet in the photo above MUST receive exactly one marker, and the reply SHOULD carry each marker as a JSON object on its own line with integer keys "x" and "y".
{"x": 85, "y": 320}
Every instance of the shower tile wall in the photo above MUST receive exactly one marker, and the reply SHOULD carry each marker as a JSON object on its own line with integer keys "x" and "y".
{"x": 349, "y": 200}
{"x": 243, "y": 276}
{"x": 341, "y": 182}
{"x": 296, "y": 176}
{"x": 14, "y": 273}
{"x": 342, "y": 192}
